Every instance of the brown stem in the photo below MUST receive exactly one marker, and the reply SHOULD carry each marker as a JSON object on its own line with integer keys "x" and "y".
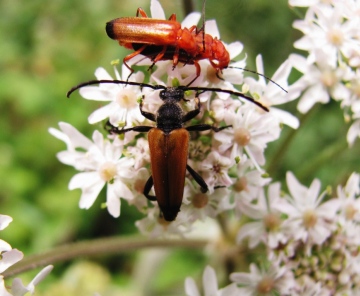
{"x": 283, "y": 148}
{"x": 98, "y": 247}
{"x": 188, "y": 6}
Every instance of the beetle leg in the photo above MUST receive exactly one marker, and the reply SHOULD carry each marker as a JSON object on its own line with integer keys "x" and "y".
{"x": 198, "y": 179}
{"x": 205, "y": 127}
{"x": 172, "y": 17}
{"x": 220, "y": 186}
{"x": 141, "y": 11}
{"x": 191, "y": 114}
{"x": 176, "y": 57}
{"x": 149, "y": 183}
{"x": 158, "y": 57}
{"x": 198, "y": 71}
{"x": 192, "y": 29}
{"x": 147, "y": 115}
{"x": 218, "y": 76}
{"x": 130, "y": 56}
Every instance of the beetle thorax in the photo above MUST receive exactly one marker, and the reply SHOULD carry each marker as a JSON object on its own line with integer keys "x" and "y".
{"x": 169, "y": 116}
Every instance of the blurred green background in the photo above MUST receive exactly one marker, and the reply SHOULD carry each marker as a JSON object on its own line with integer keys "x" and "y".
{"x": 49, "y": 46}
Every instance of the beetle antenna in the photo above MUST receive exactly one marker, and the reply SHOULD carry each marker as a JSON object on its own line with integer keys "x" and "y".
{"x": 267, "y": 78}
{"x": 156, "y": 87}
{"x": 203, "y": 26}
{"x": 235, "y": 93}
{"x": 92, "y": 82}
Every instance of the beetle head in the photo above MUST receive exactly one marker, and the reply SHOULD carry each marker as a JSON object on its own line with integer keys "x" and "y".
{"x": 172, "y": 93}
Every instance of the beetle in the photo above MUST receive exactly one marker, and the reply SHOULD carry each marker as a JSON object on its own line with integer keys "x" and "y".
{"x": 166, "y": 40}
{"x": 169, "y": 142}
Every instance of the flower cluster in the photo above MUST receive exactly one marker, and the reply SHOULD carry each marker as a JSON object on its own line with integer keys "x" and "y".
{"x": 312, "y": 243}
{"x": 332, "y": 67}
{"x": 230, "y": 158}
{"x": 9, "y": 257}
{"x": 300, "y": 231}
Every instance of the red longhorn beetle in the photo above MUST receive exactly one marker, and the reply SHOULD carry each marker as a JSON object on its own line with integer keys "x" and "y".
{"x": 166, "y": 40}
{"x": 168, "y": 142}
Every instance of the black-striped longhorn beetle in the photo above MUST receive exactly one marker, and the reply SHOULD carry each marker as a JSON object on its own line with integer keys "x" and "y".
{"x": 168, "y": 142}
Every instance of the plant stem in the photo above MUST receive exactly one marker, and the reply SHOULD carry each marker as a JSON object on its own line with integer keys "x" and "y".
{"x": 322, "y": 157}
{"x": 283, "y": 148}
{"x": 98, "y": 247}
{"x": 188, "y": 6}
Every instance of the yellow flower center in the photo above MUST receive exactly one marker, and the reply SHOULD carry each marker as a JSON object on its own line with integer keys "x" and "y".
{"x": 309, "y": 218}
{"x": 211, "y": 75}
{"x": 107, "y": 171}
{"x": 240, "y": 184}
{"x": 335, "y": 37}
{"x": 350, "y": 212}
{"x": 127, "y": 99}
{"x": 242, "y": 136}
{"x": 265, "y": 285}
{"x": 200, "y": 200}
{"x": 328, "y": 78}
{"x": 139, "y": 186}
{"x": 272, "y": 222}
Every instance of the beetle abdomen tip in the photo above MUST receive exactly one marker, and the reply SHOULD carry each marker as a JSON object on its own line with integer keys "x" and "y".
{"x": 110, "y": 29}
{"x": 170, "y": 214}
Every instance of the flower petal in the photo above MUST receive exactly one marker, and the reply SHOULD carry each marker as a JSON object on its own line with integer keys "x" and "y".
{"x": 191, "y": 19}
{"x": 5, "y": 221}
{"x": 9, "y": 258}
{"x": 157, "y": 12}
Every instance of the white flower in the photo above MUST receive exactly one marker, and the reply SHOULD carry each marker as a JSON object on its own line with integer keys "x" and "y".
{"x": 267, "y": 226}
{"x": 325, "y": 28}
{"x": 248, "y": 183}
{"x": 319, "y": 81}
{"x": 224, "y": 109}
{"x": 123, "y": 109}
{"x": 200, "y": 205}
{"x": 251, "y": 131}
{"x": 275, "y": 280}
{"x": 101, "y": 163}
{"x": 140, "y": 153}
{"x": 210, "y": 286}
{"x": 270, "y": 94}
{"x": 308, "y": 218}
{"x": 5, "y": 221}
{"x": 215, "y": 168}
{"x": 155, "y": 226}
{"x": 349, "y": 198}
{"x": 137, "y": 187}
{"x": 18, "y": 289}
{"x": 8, "y": 256}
